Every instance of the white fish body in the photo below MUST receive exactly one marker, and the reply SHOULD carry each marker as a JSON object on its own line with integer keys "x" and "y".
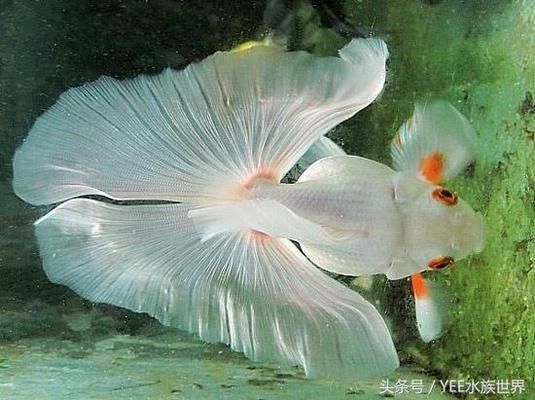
{"x": 354, "y": 216}
{"x": 435, "y": 144}
{"x": 215, "y": 139}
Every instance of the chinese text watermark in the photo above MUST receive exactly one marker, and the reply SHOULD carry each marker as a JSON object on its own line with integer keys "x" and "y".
{"x": 453, "y": 386}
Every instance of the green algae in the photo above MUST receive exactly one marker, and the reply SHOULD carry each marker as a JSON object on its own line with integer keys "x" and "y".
{"x": 492, "y": 324}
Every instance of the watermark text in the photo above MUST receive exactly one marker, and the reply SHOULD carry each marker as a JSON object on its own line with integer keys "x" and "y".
{"x": 452, "y": 386}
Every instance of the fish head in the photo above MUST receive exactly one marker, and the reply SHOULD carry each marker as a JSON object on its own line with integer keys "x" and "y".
{"x": 439, "y": 226}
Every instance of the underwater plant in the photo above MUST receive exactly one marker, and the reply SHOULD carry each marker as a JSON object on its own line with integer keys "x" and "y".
{"x": 215, "y": 256}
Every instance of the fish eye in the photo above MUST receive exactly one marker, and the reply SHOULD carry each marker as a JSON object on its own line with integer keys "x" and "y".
{"x": 445, "y": 196}
{"x": 440, "y": 263}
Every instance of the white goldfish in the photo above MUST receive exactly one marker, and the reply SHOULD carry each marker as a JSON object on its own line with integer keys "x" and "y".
{"x": 215, "y": 258}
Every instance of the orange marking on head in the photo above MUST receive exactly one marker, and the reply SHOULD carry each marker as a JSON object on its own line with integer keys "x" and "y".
{"x": 432, "y": 167}
{"x": 419, "y": 286}
{"x": 267, "y": 173}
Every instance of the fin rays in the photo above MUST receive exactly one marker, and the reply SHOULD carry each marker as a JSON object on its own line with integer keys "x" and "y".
{"x": 435, "y": 144}
{"x": 260, "y": 295}
{"x": 186, "y": 135}
{"x": 189, "y": 136}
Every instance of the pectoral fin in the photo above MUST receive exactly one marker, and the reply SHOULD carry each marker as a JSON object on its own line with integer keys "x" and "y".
{"x": 428, "y": 318}
{"x": 435, "y": 144}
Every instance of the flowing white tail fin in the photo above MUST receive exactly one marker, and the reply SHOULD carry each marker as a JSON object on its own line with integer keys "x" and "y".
{"x": 190, "y": 134}
{"x": 197, "y": 136}
{"x": 256, "y": 293}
